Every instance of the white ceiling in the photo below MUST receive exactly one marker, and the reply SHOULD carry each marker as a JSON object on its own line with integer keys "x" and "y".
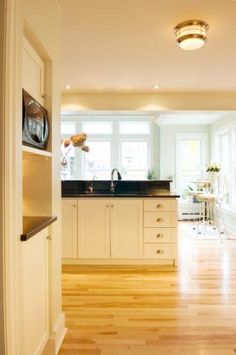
{"x": 129, "y": 45}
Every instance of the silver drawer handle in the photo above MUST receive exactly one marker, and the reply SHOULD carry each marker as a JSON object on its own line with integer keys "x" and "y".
{"x": 159, "y": 235}
{"x": 159, "y": 219}
{"x": 159, "y": 251}
{"x": 159, "y": 205}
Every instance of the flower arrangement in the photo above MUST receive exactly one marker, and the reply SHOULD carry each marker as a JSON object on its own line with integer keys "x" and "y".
{"x": 213, "y": 167}
{"x": 77, "y": 140}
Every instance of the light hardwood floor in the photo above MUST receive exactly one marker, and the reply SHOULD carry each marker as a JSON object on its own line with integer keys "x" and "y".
{"x": 190, "y": 310}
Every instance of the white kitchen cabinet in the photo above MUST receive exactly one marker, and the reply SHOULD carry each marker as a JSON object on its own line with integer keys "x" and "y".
{"x": 93, "y": 228}
{"x": 35, "y": 293}
{"x": 69, "y": 229}
{"x": 160, "y": 219}
{"x": 33, "y": 72}
{"x": 126, "y": 228}
{"x": 160, "y": 229}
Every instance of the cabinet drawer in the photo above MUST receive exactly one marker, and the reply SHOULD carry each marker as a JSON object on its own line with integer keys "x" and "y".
{"x": 159, "y": 251}
{"x": 160, "y": 235}
{"x": 160, "y": 219}
{"x": 160, "y": 205}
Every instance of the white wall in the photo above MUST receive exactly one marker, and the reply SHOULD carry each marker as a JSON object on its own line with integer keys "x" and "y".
{"x": 168, "y": 146}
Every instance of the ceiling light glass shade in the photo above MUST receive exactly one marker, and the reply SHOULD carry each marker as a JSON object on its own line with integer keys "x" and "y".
{"x": 191, "y": 35}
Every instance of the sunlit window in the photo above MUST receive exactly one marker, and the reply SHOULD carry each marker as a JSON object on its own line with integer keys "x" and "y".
{"x": 68, "y": 128}
{"x": 224, "y": 157}
{"x": 114, "y": 142}
{"x": 68, "y": 162}
{"x": 98, "y": 161}
{"x": 190, "y": 162}
{"x": 134, "y": 160}
{"x": 135, "y": 127}
{"x": 97, "y": 127}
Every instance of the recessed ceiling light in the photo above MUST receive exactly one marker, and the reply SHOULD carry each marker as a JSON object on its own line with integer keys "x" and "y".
{"x": 155, "y": 86}
{"x": 68, "y": 87}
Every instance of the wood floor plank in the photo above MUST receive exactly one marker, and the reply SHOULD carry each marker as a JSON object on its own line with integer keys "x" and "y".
{"x": 189, "y": 310}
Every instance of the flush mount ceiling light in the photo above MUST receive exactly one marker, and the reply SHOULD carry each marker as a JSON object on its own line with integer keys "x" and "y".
{"x": 192, "y": 34}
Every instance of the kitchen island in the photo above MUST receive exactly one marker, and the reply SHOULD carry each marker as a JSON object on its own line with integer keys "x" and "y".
{"x": 136, "y": 224}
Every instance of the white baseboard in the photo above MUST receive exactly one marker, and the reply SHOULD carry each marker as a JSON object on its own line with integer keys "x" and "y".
{"x": 55, "y": 340}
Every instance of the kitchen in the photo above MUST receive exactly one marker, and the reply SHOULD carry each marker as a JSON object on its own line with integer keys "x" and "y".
{"x": 120, "y": 60}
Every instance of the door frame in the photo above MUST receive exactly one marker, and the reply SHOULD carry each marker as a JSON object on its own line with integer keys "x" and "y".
{"x": 11, "y": 33}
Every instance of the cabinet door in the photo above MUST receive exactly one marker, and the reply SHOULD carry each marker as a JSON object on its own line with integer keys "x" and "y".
{"x": 93, "y": 229}
{"x": 69, "y": 228}
{"x": 127, "y": 228}
{"x": 35, "y": 293}
{"x": 33, "y": 72}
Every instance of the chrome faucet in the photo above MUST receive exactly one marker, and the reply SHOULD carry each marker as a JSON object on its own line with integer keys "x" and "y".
{"x": 91, "y": 186}
{"x": 112, "y": 179}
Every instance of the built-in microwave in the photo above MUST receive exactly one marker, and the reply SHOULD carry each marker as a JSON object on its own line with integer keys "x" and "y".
{"x": 35, "y": 123}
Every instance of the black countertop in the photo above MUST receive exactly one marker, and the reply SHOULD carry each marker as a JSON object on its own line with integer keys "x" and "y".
{"x": 33, "y": 225}
{"x": 166, "y": 194}
{"x": 123, "y": 188}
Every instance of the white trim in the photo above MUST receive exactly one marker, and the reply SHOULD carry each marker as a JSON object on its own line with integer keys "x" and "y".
{"x": 36, "y": 151}
{"x": 12, "y": 178}
{"x": 55, "y": 340}
{"x": 135, "y": 113}
{"x": 3, "y": 331}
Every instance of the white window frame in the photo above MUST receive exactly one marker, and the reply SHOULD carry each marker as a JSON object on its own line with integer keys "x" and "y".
{"x": 116, "y": 138}
{"x": 203, "y": 137}
{"x": 129, "y": 138}
{"x": 95, "y": 138}
{"x": 230, "y": 130}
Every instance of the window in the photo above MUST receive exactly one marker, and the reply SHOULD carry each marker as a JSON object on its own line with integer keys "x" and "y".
{"x": 68, "y": 128}
{"x": 123, "y": 142}
{"x": 190, "y": 159}
{"x": 97, "y": 127}
{"x": 98, "y": 161}
{"x": 134, "y": 127}
{"x": 224, "y": 152}
{"x": 224, "y": 157}
{"x": 133, "y": 159}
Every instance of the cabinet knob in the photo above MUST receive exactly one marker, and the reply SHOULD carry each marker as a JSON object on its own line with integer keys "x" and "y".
{"x": 159, "y": 219}
{"x": 74, "y": 205}
{"x": 159, "y": 235}
{"x": 159, "y": 251}
{"x": 107, "y": 206}
{"x": 159, "y": 205}
{"x": 112, "y": 206}
{"x": 49, "y": 237}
